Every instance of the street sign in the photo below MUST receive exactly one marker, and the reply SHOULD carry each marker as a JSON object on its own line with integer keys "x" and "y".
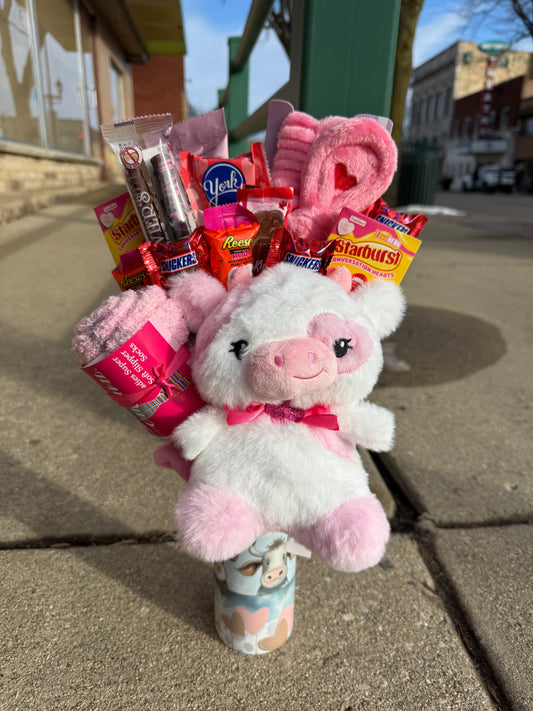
{"x": 493, "y": 47}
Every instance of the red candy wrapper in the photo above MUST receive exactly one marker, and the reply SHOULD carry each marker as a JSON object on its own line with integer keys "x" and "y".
{"x": 409, "y": 224}
{"x": 307, "y": 253}
{"x": 270, "y": 207}
{"x": 214, "y": 181}
{"x": 133, "y": 272}
{"x": 155, "y": 262}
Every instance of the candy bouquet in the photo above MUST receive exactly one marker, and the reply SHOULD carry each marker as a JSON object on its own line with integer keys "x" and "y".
{"x": 255, "y": 293}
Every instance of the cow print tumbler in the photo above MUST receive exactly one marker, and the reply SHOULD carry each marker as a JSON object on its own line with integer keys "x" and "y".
{"x": 254, "y": 596}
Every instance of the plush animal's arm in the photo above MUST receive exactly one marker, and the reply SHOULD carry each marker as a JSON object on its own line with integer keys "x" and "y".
{"x": 195, "y": 434}
{"x": 369, "y": 425}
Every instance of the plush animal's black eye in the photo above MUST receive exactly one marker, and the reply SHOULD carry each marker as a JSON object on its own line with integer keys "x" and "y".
{"x": 342, "y": 346}
{"x": 238, "y": 347}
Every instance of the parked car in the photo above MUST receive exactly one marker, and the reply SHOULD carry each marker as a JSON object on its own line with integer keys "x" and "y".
{"x": 489, "y": 178}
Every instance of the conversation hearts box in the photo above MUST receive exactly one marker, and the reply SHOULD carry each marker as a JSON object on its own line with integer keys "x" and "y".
{"x": 120, "y": 225}
{"x": 370, "y": 249}
{"x": 149, "y": 377}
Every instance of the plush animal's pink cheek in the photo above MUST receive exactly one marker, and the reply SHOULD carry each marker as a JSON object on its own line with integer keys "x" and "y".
{"x": 342, "y": 336}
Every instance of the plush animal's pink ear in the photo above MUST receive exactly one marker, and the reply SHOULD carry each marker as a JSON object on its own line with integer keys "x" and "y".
{"x": 350, "y": 164}
{"x": 198, "y": 294}
{"x": 342, "y": 276}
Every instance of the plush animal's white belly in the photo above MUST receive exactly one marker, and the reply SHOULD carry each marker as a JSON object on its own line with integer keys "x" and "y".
{"x": 281, "y": 469}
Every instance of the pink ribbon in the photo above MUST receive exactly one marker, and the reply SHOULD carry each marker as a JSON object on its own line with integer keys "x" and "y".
{"x": 316, "y": 416}
{"x": 161, "y": 381}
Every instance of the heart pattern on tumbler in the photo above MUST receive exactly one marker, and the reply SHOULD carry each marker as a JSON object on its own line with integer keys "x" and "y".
{"x": 253, "y": 621}
{"x": 235, "y": 624}
{"x": 278, "y": 638}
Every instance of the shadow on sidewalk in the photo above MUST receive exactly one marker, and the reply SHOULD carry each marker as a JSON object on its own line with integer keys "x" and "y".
{"x": 157, "y": 572}
{"x": 437, "y": 346}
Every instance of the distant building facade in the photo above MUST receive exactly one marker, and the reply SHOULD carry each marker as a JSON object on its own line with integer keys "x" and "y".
{"x": 448, "y": 95}
{"x": 67, "y": 66}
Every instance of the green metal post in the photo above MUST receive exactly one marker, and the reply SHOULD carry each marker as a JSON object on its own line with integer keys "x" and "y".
{"x": 343, "y": 53}
{"x": 236, "y": 109}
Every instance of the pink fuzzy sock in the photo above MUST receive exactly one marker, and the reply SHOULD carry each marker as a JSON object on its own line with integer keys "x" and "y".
{"x": 122, "y": 315}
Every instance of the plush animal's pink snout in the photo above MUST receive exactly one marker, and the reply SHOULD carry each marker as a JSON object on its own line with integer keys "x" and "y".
{"x": 283, "y": 369}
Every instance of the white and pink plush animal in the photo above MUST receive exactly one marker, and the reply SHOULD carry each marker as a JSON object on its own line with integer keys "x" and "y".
{"x": 285, "y": 362}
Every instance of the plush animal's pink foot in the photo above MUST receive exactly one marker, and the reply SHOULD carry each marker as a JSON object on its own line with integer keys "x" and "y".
{"x": 214, "y": 524}
{"x": 350, "y": 538}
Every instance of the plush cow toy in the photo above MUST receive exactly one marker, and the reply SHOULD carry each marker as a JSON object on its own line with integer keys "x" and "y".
{"x": 284, "y": 362}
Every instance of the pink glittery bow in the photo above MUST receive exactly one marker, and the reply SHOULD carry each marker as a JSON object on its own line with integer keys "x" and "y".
{"x": 316, "y": 416}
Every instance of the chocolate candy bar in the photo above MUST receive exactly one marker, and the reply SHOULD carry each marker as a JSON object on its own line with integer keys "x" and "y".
{"x": 173, "y": 194}
{"x": 143, "y": 193}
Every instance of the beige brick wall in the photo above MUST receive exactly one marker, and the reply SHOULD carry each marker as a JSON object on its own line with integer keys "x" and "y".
{"x": 29, "y": 183}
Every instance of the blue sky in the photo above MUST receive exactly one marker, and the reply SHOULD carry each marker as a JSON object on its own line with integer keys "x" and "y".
{"x": 209, "y": 23}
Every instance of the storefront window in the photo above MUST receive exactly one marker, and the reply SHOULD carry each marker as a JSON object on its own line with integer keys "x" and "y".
{"x": 117, "y": 92}
{"x": 18, "y": 106}
{"x": 90, "y": 81}
{"x": 46, "y": 68}
{"x": 62, "y": 83}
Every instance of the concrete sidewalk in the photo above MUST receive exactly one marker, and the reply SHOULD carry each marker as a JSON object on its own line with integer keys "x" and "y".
{"x": 102, "y": 611}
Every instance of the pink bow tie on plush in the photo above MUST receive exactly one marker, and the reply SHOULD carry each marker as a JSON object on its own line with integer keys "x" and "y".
{"x": 317, "y": 416}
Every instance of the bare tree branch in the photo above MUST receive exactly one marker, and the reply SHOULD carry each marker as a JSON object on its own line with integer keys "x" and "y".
{"x": 519, "y": 8}
{"x": 513, "y": 17}
{"x": 280, "y": 20}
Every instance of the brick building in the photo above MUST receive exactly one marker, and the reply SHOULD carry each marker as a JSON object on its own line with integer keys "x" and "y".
{"x": 67, "y": 66}
{"x": 504, "y": 111}
{"x": 449, "y": 76}
{"x": 524, "y": 135}
{"x": 448, "y": 96}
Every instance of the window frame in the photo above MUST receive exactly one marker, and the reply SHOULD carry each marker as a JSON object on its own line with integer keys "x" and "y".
{"x": 42, "y": 123}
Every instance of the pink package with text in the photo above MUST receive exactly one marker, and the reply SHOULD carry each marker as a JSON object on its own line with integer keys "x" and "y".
{"x": 149, "y": 377}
